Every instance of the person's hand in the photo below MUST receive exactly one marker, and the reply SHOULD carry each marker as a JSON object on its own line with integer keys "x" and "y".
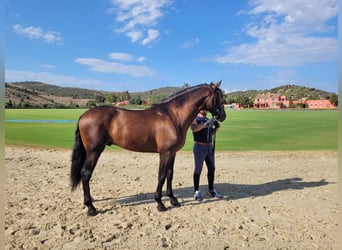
{"x": 210, "y": 122}
{"x": 216, "y": 124}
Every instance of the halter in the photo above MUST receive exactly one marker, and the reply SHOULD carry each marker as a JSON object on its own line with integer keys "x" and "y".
{"x": 215, "y": 105}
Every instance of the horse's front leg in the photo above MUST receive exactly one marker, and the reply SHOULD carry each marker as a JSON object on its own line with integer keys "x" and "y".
{"x": 161, "y": 179}
{"x": 169, "y": 176}
{"x": 165, "y": 170}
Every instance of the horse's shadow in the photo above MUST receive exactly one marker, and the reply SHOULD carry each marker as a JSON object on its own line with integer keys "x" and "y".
{"x": 230, "y": 192}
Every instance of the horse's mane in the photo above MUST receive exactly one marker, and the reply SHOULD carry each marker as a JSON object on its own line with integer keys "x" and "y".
{"x": 180, "y": 93}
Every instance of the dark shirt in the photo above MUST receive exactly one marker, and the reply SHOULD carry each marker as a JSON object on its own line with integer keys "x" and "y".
{"x": 205, "y": 135}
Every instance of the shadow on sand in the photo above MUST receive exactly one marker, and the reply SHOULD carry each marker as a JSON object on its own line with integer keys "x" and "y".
{"x": 230, "y": 192}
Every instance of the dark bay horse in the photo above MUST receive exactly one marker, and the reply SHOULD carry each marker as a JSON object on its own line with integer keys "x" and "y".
{"x": 162, "y": 129}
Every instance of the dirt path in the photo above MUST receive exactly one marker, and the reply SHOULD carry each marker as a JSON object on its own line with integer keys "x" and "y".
{"x": 273, "y": 200}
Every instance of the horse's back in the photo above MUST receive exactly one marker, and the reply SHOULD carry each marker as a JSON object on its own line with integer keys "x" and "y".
{"x": 98, "y": 111}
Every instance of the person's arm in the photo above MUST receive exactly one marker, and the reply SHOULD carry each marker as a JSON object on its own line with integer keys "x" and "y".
{"x": 195, "y": 127}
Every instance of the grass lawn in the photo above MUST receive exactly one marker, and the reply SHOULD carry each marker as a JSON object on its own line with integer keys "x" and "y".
{"x": 279, "y": 130}
{"x": 43, "y": 114}
{"x": 60, "y": 135}
{"x": 242, "y": 131}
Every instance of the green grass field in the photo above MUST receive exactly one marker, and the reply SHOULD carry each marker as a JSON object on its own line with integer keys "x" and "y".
{"x": 243, "y": 130}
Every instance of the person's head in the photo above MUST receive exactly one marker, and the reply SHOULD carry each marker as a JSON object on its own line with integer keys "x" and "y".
{"x": 203, "y": 112}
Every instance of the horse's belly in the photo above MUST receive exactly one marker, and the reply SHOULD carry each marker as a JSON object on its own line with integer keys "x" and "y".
{"x": 139, "y": 145}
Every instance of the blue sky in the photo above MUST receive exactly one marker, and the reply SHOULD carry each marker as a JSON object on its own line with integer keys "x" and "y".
{"x": 139, "y": 45}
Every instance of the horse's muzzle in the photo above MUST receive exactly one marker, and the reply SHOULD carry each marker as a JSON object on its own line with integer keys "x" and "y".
{"x": 220, "y": 114}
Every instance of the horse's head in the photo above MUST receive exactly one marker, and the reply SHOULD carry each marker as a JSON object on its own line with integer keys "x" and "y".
{"x": 215, "y": 104}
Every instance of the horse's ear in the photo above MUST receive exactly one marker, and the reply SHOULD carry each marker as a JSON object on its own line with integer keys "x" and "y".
{"x": 216, "y": 85}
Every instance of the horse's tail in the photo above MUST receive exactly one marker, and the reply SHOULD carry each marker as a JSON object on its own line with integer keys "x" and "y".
{"x": 77, "y": 160}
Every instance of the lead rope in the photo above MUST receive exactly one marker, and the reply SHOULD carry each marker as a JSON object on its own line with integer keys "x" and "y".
{"x": 214, "y": 142}
{"x": 208, "y": 131}
{"x": 214, "y": 135}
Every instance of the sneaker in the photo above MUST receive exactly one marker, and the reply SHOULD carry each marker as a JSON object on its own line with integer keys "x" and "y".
{"x": 198, "y": 196}
{"x": 214, "y": 193}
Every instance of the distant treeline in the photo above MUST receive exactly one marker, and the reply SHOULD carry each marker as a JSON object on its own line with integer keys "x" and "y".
{"x": 23, "y": 95}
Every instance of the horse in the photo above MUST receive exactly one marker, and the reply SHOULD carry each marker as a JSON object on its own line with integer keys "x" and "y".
{"x": 161, "y": 129}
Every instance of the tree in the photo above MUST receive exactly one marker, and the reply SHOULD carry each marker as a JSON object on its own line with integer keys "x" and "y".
{"x": 9, "y": 104}
{"x": 123, "y": 96}
{"x": 137, "y": 100}
{"x": 157, "y": 98}
{"x": 111, "y": 98}
{"x": 91, "y": 103}
{"x": 229, "y": 99}
{"x": 186, "y": 85}
{"x": 245, "y": 101}
{"x": 99, "y": 98}
{"x": 334, "y": 99}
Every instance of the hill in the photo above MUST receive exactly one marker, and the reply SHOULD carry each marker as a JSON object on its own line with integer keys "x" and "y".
{"x": 33, "y": 94}
{"x": 292, "y": 92}
{"x": 37, "y": 94}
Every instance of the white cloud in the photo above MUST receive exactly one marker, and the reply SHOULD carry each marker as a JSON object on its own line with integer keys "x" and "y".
{"x": 287, "y": 33}
{"x": 52, "y": 37}
{"x": 121, "y": 56}
{"x": 134, "y": 35}
{"x": 33, "y": 32}
{"x": 30, "y": 32}
{"x": 141, "y": 59}
{"x": 103, "y": 66}
{"x": 152, "y": 35}
{"x": 138, "y": 17}
{"x": 17, "y": 76}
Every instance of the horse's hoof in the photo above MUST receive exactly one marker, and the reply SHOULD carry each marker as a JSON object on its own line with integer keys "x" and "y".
{"x": 92, "y": 213}
{"x": 175, "y": 202}
{"x": 161, "y": 208}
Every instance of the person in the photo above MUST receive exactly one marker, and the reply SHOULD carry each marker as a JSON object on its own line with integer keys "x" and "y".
{"x": 203, "y": 130}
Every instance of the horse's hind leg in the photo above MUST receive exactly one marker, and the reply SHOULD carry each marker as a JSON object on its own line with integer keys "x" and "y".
{"x": 86, "y": 174}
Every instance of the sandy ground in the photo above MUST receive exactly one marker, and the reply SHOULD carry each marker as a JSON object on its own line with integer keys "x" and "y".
{"x": 273, "y": 200}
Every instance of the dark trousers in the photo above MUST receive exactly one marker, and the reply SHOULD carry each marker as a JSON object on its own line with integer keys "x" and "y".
{"x": 204, "y": 153}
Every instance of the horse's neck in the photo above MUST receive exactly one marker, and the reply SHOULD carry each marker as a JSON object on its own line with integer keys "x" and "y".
{"x": 186, "y": 112}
